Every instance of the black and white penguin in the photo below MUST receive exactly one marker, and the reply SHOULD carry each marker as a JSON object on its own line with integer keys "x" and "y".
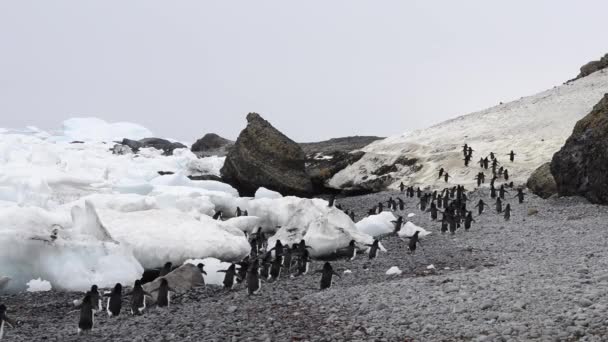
{"x": 218, "y": 215}
{"x": 229, "y": 277}
{"x": 201, "y": 267}
{"x": 5, "y": 320}
{"x": 115, "y": 301}
{"x": 95, "y": 299}
{"x": 275, "y": 267}
{"x": 499, "y": 205}
{"x": 467, "y": 221}
{"x": 397, "y": 224}
{"x": 401, "y": 204}
{"x": 166, "y": 269}
{"x": 265, "y": 267}
{"x": 254, "y": 283}
{"x": 327, "y": 274}
{"x": 373, "y": 250}
{"x": 414, "y": 240}
{"x": 352, "y": 250}
{"x": 304, "y": 263}
{"x": 138, "y": 299}
{"x": 508, "y": 212}
{"x": 87, "y": 319}
{"x": 163, "y": 300}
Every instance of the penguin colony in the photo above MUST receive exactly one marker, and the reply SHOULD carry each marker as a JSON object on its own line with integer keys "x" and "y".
{"x": 268, "y": 265}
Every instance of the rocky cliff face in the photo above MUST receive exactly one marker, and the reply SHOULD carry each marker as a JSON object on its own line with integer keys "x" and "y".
{"x": 581, "y": 166}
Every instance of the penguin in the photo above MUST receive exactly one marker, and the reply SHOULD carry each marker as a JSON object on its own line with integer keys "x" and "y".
{"x": 352, "y": 250}
{"x": 401, "y": 187}
{"x": 87, "y": 319}
{"x": 242, "y": 271}
{"x": 352, "y": 216}
{"x": 332, "y": 200}
{"x": 467, "y": 221}
{"x": 138, "y": 299}
{"x": 217, "y": 215}
{"x": 444, "y": 223}
{"x": 499, "y": 205}
{"x": 520, "y": 195}
{"x": 288, "y": 257}
{"x": 304, "y": 263}
{"x": 166, "y": 269}
{"x": 238, "y": 212}
{"x": 401, "y": 204}
{"x": 163, "y": 299}
{"x": 414, "y": 240}
{"x": 265, "y": 267}
{"x": 397, "y": 224}
{"x": 512, "y": 156}
{"x": 492, "y": 191}
{"x": 115, "y": 301}
{"x": 5, "y": 320}
{"x": 502, "y": 191}
{"x": 441, "y": 171}
{"x": 433, "y": 212}
{"x": 373, "y": 250}
{"x": 380, "y": 208}
{"x": 245, "y": 213}
{"x": 508, "y": 212}
{"x": 327, "y": 274}
{"x": 229, "y": 277}
{"x": 95, "y": 299}
{"x": 254, "y": 283}
{"x": 506, "y": 175}
{"x": 446, "y": 177}
{"x": 201, "y": 268}
{"x": 480, "y": 205}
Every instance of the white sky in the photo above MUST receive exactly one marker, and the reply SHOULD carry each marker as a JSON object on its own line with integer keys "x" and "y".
{"x": 315, "y": 69}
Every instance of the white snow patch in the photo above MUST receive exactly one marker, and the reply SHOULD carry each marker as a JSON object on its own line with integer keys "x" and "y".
{"x": 394, "y": 271}
{"x": 212, "y": 266}
{"x": 379, "y": 224}
{"x": 38, "y": 285}
{"x": 265, "y": 193}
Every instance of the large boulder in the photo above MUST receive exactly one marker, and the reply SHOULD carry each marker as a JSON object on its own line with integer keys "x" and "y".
{"x": 581, "y": 166}
{"x": 541, "y": 181}
{"x": 181, "y": 280}
{"x": 264, "y": 157}
{"x": 593, "y": 66}
{"x": 211, "y": 145}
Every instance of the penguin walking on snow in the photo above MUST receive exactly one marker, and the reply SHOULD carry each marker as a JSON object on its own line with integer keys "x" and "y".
{"x": 4, "y": 320}
{"x": 327, "y": 274}
{"x": 138, "y": 299}
{"x": 115, "y": 301}
{"x": 87, "y": 319}
{"x": 229, "y": 277}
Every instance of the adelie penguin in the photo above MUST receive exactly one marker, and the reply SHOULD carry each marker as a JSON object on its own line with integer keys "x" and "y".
{"x": 512, "y": 156}
{"x": 229, "y": 277}
{"x": 373, "y": 249}
{"x": 467, "y": 221}
{"x": 115, "y": 301}
{"x": 95, "y": 299}
{"x": 414, "y": 240}
{"x": 327, "y": 274}
{"x": 480, "y": 205}
{"x": 218, "y": 215}
{"x": 163, "y": 300}
{"x": 351, "y": 250}
{"x": 507, "y": 212}
{"x": 499, "y": 205}
{"x": 254, "y": 283}
{"x": 166, "y": 269}
{"x": 5, "y": 320}
{"x": 304, "y": 263}
{"x": 520, "y": 195}
{"x": 86, "y": 320}
{"x": 401, "y": 187}
{"x": 397, "y": 224}
{"x": 201, "y": 268}
{"x": 401, "y": 204}
{"x": 138, "y": 299}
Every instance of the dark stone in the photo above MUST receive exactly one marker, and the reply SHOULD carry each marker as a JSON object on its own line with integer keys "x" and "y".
{"x": 77, "y": 142}
{"x": 322, "y": 170}
{"x": 206, "y": 177}
{"x": 580, "y": 168}
{"x": 264, "y": 157}
{"x": 331, "y": 146}
{"x": 593, "y": 66}
{"x": 160, "y": 144}
{"x": 541, "y": 182}
{"x": 211, "y": 144}
{"x": 162, "y": 173}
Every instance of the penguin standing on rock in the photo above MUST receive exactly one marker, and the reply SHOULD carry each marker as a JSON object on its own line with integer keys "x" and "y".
{"x": 87, "y": 319}
{"x": 115, "y": 301}
{"x": 4, "y": 320}
{"x": 327, "y": 274}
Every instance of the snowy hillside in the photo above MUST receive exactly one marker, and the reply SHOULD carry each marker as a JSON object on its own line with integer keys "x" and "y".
{"x": 76, "y": 214}
{"x": 535, "y": 127}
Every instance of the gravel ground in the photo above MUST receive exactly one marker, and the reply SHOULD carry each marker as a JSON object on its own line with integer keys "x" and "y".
{"x": 537, "y": 277}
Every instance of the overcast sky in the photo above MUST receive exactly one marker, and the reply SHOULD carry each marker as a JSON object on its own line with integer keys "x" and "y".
{"x": 315, "y": 69}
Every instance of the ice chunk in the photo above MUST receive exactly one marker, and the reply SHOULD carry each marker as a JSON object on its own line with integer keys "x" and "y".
{"x": 394, "y": 271}
{"x": 265, "y": 193}
{"x": 212, "y": 266}
{"x": 375, "y": 225}
{"x": 94, "y": 129}
{"x": 409, "y": 229}
{"x": 38, "y": 285}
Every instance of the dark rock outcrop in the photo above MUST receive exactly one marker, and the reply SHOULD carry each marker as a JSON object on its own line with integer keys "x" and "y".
{"x": 264, "y": 157}
{"x": 581, "y": 166}
{"x": 322, "y": 169}
{"x": 211, "y": 145}
{"x": 331, "y": 146}
{"x": 541, "y": 182}
{"x": 593, "y": 66}
{"x": 160, "y": 144}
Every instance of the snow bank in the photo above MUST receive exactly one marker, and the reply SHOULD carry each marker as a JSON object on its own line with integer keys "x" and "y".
{"x": 535, "y": 127}
{"x": 94, "y": 129}
{"x": 265, "y": 193}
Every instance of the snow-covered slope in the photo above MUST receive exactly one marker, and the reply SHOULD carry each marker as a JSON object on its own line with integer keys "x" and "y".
{"x": 535, "y": 127}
